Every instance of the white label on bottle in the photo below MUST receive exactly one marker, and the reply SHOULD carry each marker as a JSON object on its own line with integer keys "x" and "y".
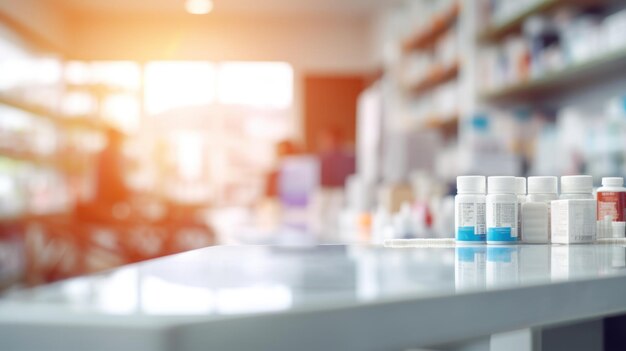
{"x": 472, "y": 214}
{"x": 503, "y": 215}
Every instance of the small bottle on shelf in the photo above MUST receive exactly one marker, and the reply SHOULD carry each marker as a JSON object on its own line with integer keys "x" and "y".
{"x": 576, "y": 187}
{"x": 469, "y": 210}
{"x": 543, "y": 190}
{"x": 501, "y": 211}
{"x": 520, "y": 191}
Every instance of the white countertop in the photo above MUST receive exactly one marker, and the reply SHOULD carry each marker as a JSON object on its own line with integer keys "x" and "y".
{"x": 313, "y": 298}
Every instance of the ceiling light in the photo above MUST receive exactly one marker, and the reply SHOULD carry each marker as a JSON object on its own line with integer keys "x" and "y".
{"x": 199, "y": 7}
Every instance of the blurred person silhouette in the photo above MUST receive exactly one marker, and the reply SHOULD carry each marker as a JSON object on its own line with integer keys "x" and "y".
{"x": 337, "y": 159}
{"x": 268, "y": 209}
{"x": 284, "y": 148}
{"x": 112, "y": 195}
{"x": 337, "y": 162}
{"x": 112, "y": 188}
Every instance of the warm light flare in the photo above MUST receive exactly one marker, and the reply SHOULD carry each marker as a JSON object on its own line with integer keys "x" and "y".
{"x": 199, "y": 7}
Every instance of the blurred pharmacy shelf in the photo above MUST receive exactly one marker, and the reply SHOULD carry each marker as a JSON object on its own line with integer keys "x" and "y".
{"x": 436, "y": 77}
{"x": 570, "y": 78}
{"x": 42, "y": 161}
{"x": 500, "y": 30}
{"x": 428, "y": 36}
{"x": 60, "y": 120}
{"x": 448, "y": 125}
{"x": 516, "y": 75}
{"x": 34, "y": 38}
{"x": 432, "y": 69}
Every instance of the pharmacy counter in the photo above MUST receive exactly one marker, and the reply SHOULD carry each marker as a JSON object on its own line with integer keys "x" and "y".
{"x": 318, "y": 298}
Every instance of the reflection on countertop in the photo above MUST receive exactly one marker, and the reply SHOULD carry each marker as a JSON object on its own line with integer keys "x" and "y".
{"x": 227, "y": 280}
{"x": 42, "y": 249}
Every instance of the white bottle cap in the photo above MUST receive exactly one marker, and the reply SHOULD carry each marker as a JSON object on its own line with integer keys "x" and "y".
{"x": 612, "y": 181}
{"x": 520, "y": 185}
{"x": 542, "y": 185}
{"x": 577, "y": 184}
{"x": 501, "y": 185}
{"x": 470, "y": 184}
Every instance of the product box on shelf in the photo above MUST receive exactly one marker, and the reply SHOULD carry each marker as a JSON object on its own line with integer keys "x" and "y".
{"x": 573, "y": 221}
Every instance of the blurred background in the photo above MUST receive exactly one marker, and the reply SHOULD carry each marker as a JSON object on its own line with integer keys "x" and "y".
{"x": 132, "y": 129}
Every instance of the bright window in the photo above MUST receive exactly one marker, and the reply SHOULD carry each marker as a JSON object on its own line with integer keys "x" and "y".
{"x": 172, "y": 85}
{"x": 119, "y": 74}
{"x": 113, "y": 74}
{"x": 122, "y": 110}
{"x": 77, "y": 73}
{"x": 267, "y": 84}
{"x": 78, "y": 103}
{"x": 189, "y": 154}
{"x": 225, "y": 117}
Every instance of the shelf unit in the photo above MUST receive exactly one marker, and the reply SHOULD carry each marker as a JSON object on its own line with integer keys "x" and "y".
{"x": 62, "y": 121}
{"x": 427, "y": 37}
{"x": 68, "y": 165}
{"x": 584, "y": 86}
{"x": 43, "y": 161}
{"x": 553, "y": 83}
{"x": 56, "y": 216}
{"x": 448, "y": 125}
{"x": 32, "y": 37}
{"x": 561, "y": 81}
{"x": 436, "y": 77}
{"x": 567, "y": 104}
{"x": 500, "y": 30}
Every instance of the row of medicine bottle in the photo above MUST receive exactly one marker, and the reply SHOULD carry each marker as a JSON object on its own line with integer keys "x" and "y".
{"x": 507, "y": 215}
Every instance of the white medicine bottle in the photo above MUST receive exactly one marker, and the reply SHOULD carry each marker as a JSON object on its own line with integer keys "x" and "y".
{"x": 501, "y": 211}
{"x": 577, "y": 187}
{"x": 520, "y": 191}
{"x": 542, "y": 189}
{"x": 469, "y": 210}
